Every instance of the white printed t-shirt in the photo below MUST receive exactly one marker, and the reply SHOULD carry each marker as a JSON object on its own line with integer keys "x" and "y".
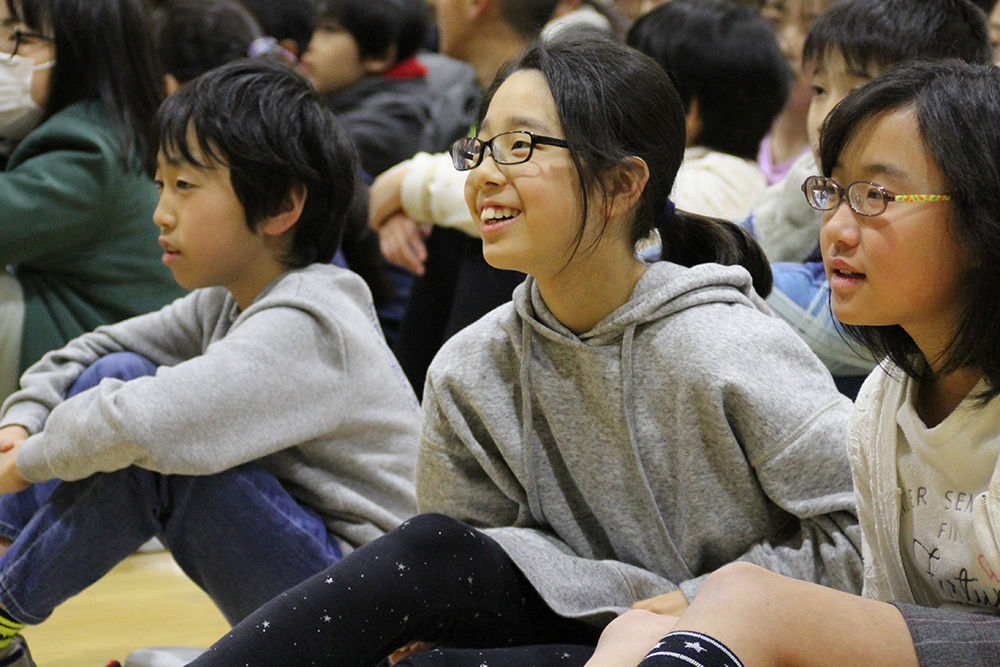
{"x": 943, "y": 472}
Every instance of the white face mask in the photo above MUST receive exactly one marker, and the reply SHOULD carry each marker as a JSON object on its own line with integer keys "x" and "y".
{"x": 19, "y": 114}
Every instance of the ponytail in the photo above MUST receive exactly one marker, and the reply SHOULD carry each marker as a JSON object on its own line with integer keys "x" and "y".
{"x": 689, "y": 239}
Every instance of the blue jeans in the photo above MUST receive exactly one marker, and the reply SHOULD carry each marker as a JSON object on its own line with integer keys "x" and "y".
{"x": 238, "y": 534}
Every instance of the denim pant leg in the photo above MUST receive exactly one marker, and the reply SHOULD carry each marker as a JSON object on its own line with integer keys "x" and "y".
{"x": 121, "y": 365}
{"x": 241, "y": 537}
{"x": 237, "y": 534}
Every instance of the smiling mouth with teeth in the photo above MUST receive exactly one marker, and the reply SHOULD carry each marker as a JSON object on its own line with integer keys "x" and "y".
{"x": 492, "y": 214}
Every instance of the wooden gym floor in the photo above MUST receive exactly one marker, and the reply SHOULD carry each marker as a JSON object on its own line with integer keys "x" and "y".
{"x": 145, "y": 601}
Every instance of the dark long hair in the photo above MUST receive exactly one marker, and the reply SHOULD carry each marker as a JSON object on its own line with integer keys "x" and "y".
{"x": 615, "y": 104}
{"x": 104, "y": 51}
{"x": 958, "y": 111}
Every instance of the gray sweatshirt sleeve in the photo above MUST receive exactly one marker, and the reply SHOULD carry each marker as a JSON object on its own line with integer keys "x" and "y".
{"x": 459, "y": 475}
{"x": 200, "y": 415}
{"x": 165, "y": 337}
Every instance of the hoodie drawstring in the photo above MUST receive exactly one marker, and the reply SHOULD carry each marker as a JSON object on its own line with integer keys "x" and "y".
{"x": 627, "y": 365}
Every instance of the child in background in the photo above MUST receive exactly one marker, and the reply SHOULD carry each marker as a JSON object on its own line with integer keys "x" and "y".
{"x": 194, "y": 36}
{"x": 80, "y": 87}
{"x": 911, "y": 245}
{"x": 362, "y": 57}
{"x": 458, "y": 286}
{"x": 788, "y": 139}
{"x": 726, "y": 65}
{"x": 277, "y": 433}
{"x": 994, "y": 19}
{"x": 610, "y": 437}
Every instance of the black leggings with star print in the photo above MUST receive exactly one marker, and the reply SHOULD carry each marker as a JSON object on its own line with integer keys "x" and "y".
{"x": 433, "y": 579}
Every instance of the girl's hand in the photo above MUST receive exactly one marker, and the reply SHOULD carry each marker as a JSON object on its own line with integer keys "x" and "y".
{"x": 669, "y": 604}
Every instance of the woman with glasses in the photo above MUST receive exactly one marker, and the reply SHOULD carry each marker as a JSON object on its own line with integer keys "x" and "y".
{"x": 78, "y": 87}
{"x": 911, "y": 246}
{"x": 610, "y": 437}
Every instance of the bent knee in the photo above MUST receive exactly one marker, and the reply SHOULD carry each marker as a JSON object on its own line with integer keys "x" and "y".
{"x": 437, "y": 536}
{"x": 739, "y": 583}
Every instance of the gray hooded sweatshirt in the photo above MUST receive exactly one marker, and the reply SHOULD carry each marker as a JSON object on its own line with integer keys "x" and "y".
{"x": 301, "y": 381}
{"x": 687, "y": 430}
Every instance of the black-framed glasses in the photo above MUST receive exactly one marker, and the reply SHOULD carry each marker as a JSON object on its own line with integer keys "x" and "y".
{"x": 864, "y": 198}
{"x": 505, "y": 148}
{"x": 17, "y": 37}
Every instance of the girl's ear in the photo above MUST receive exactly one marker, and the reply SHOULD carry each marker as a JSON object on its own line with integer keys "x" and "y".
{"x": 625, "y": 185}
{"x": 288, "y": 215}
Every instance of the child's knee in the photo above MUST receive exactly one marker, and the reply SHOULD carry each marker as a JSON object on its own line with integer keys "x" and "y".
{"x": 437, "y": 536}
{"x": 119, "y": 365}
{"x": 738, "y": 584}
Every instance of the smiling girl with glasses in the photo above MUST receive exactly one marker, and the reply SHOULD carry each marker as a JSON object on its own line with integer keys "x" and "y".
{"x": 610, "y": 437}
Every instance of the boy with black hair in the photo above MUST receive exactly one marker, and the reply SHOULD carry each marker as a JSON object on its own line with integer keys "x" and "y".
{"x": 362, "y": 57}
{"x": 851, "y": 43}
{"x": 194, "y": 36}
{"x": 733, "y": 79}
{"x": 277, "y": 433}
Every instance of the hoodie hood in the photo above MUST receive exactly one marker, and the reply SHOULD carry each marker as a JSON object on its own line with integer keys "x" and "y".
{"x": 663, "y": 290}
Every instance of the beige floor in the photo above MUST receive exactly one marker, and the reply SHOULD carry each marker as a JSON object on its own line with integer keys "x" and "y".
{"x": 145, "y": 601}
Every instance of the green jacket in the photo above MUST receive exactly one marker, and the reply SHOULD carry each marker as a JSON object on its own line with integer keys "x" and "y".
{"x": 76, "y": 226}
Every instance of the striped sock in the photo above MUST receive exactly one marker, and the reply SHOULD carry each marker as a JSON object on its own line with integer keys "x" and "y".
{"x": 690, "y": 649}
{"x": 9, "y": 628}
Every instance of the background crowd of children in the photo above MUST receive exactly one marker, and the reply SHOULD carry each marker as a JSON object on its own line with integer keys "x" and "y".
{"x": 448, "y": 334}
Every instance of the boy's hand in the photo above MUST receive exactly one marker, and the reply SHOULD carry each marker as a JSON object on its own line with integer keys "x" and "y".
{"x": 668, "y": 604}
{"x": 12, "y": 436}
{"x": 11, "y": 480}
